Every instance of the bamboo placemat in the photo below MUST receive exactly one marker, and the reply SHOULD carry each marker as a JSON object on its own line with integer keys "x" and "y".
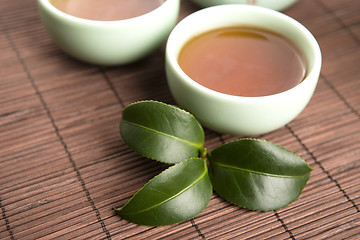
{"x": 64, "y": 165}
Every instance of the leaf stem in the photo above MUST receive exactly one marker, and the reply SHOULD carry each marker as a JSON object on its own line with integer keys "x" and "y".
{"x": 203, "y": 153}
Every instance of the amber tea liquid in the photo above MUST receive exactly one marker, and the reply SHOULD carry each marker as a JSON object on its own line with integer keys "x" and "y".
{"x": 243, "y": 61}
{"x": 106, "y": 10}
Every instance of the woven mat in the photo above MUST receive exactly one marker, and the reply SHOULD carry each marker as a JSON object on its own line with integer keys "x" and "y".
{"x": 64, "y": 165}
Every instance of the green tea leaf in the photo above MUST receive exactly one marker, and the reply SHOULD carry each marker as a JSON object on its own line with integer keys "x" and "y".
{"x": 257, "y": 174}
{"x": 177, "y": 194}
{"x": 161, "y": 132}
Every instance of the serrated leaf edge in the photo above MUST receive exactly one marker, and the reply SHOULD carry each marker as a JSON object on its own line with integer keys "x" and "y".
{"x": 254, "y": 209}
{"x": 197, "y": 180}
{"x": 274, "y": 209}
{"x": 161, "y": 103}
{"x": 259, "y": 140}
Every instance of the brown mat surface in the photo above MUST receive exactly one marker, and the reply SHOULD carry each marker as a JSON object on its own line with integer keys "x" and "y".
{"x": 64, "y": 165}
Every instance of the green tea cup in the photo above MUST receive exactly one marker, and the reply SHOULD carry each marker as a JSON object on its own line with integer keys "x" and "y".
{"x": 109, "y": 42}
{"x": 232, "y": 114}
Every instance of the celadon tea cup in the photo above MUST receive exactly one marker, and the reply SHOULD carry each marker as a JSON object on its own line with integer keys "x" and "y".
{"x": 272, "y": 4}
{"x": 232, "y": 114}
{"x": 109, "y": 42}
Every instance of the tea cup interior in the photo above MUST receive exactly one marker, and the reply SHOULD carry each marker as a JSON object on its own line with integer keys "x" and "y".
{"x": 235, "y": 114}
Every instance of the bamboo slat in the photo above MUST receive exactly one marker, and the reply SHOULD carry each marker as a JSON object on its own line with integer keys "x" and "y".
{"x": 64, "y": 166}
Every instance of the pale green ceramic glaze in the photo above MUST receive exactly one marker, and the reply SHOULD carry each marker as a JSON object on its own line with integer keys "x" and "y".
{"x": 272, "y": 4}
{"x": 109, "y": 42}
{"x": 233, "y": 114}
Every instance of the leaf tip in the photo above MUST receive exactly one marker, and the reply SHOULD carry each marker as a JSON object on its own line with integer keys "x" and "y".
{"x": 117, "y": 210}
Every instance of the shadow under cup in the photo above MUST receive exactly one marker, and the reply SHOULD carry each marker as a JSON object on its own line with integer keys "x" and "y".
{"x": 235, "y": 114}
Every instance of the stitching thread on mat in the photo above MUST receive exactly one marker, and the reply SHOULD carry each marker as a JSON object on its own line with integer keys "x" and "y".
{"x": 7, "y": 222}
{"x": 323, "y": 169}
{"x": 339, "y": 95}
{"x": 107, "y": 79}
{"x": 3, "y": 210}
{"x": 80, "y": 179}
{"x": 343, "y": 25}
{"x": 197, "y": 228}
{"x": 356, "y": 39}
{"x": 283, "y": 224}
{"x": 111, "y": 85}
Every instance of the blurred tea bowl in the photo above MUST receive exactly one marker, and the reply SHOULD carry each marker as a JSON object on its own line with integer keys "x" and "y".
{"x": 237, "y": 115}
{"x": 109, "y": 42}
{"x": 272, "y": 4}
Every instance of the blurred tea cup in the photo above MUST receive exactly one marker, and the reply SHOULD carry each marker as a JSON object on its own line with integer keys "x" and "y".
{"x": 278, "y": 5}
{"x": 109, "y": 42}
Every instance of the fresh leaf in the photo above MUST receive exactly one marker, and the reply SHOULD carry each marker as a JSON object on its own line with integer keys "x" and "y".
{"x": 257, "y": 174}
{"x": 177, "y": 194}
{"x": 162, "y": 132}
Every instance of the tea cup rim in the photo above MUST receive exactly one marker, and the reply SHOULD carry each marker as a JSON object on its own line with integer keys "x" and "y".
{"x": 172, "y": 56}
{"x": 70, "y": 17}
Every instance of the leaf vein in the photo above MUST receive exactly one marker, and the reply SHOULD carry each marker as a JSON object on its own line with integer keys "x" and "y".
{"x": 170, "y": 198}
{"x": 165, "y": 134}
{"x": 256, "y": 172}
